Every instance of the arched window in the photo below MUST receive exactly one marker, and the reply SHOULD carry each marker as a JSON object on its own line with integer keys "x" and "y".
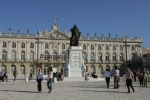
{"x": 22, "y": 55}
{"x": 121, "y": 57}
{"x": 55, "y": 69}
{"x": 92, "y": 57}
{"x": 22, "y": 70}
{"x": 84, "y": 56}
{"x": 13, "y": 57}
{"x": 46, "y": 45}
{"x": 13, "y": 67}
{"x": 4, "y": 44}
{"x": 63, "y": 56}
{"x": 107, "y": 47}
{"x": 99, "y": 57}
{"x": 55, "y": 56}
{"x": 63, "y": 46}
{"x": 93, "y": 69}
{"x": 121, "y": 48}
{"x": 100, "y": 70}
{"x": 99, "y": 47}
{"x": 31, "y": 55}
{"x": 46, "y": 71}
{"x": 22, "y": 45}
{"x": 107, "y": 57}
{"x": 3, "y": 67}
{"x": 31, "y": 45}
{"x": 4, "y": 55}
{"x": 92, "y": 47}
{"x": 46, "y": 56}
{"x": 84, "y": 47}
{"x": 114, "y": 48}
{"x": 31, "y": 70}
{"x": 13, "y": 45}
{"x": 114, "y": 57}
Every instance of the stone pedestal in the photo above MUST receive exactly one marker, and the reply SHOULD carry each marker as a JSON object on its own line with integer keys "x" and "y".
{"x": 74, "y": 63}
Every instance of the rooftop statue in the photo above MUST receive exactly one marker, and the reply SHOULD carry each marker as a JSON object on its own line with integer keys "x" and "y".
{"x": 74, "y": 39}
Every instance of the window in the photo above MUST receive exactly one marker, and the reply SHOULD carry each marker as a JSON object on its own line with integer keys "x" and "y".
{"x": 99, "y": 47}
{"x": 3, "y": 67}
{"x": 4, "y": 55}
{"x": 22, "y": 55}
{"x": 93, "y": 69}
{"x": 31, "y": 70}
{"x": 100, "y": 70}
{"x": 121, "y": 57}
{"x": 4, "y": 44}
{"x": 13, "y": 67}
{"x": 63, "y": 56}
{"x": 99, "y": 57}
{"x": 55, "y": 69}
{"x": 114, "y": 57}
{"x": 107, "y": 47}
{"x": 55, "y": 56}
{"x": 121, "y": 48}
{"x": 63, "y": 46}
{"x": 13, "y": 57}
{"x": 84, "y": 56}
{"x": 46, "y": 56}
{"x": 92, "y": 47}
{"x": 13, "y": 45}
{"x": 107, "y": 57}
{"x": 31, "y": 55}
{"x": 22, "y": 45}
{"x": 84, "y": 47}
{"x": 92, "y": 57}
{"x": 46, "y": 71}
{"x": 114, "y": 48}
{"x": 22, "y": 70}
{"x": 31, "y": 45}
{"x": 132, "y": 48}
{"x": 46, "y": 45}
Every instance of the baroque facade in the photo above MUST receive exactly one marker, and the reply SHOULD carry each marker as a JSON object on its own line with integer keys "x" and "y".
{"x": 26, "y": 52}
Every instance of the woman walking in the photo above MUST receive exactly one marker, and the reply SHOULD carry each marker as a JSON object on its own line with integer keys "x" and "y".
{"x": 39, "y": 79}
{"x": 129, "y": 79}
{"x": 50, "y": 80}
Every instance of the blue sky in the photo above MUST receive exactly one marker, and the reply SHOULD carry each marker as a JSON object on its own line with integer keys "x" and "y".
{"x": 122, "y": 17}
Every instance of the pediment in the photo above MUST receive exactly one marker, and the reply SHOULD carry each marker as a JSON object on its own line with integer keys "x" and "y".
{"x": 55, "y": 34}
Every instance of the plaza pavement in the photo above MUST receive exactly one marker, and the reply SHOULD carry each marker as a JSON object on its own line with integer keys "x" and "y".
{"x": 94, "y": 89}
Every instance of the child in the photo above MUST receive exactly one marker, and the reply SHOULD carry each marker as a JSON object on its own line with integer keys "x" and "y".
{"x": 141, "y": 79}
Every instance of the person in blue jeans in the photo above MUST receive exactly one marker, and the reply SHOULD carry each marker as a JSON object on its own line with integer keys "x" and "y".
{"x": 50, "y": 80}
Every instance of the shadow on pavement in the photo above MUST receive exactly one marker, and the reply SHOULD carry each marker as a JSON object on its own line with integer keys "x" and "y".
{"x": 19, "y": 91}
{"x": 103, "y": 91}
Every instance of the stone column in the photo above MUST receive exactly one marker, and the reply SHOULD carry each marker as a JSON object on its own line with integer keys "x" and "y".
{"x": 96, "y": 53}
{"x": 118, "y": 53}
{"x": 103, "y": 53}
{"x": 36, "y": 51}
{"x": 111, "y": 53}
{"x": 9, "y": 48}
{"x": 27, "y": 69}
{"x": 18, "y": 56}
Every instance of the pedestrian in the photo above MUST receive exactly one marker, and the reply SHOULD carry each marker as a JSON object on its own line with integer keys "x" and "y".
{"x": 134, "y": 73}
{"x": 129, "y": 79}
{"x": 116, "y": 78}
{"x": 140, "y": 77}
{"x": 145, "y": 74}
{"x": 14, "y": 74}
{"x": 107, "y": 75}
{"x": 39, "y": 79}
{"x": 50, "y": 80}
{"x": 86, "y": 76}
{"x": 3, "y": 75}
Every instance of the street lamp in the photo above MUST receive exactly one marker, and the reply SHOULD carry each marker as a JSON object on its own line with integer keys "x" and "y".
{"x": 126, "y": 50}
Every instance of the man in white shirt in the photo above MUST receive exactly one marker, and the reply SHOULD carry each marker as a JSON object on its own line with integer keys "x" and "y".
{"x": 116, "y": 78}
{"x": 107, "y": 75}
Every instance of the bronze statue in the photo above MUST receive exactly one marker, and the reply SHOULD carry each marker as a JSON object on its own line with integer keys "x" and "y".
{"x": 74, "y": 40}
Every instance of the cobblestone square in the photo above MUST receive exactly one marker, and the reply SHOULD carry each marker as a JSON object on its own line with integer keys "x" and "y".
{"x": 21, "y": 90}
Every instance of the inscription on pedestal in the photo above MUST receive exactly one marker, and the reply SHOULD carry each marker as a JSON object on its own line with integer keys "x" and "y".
{"x": 75, "y": 60}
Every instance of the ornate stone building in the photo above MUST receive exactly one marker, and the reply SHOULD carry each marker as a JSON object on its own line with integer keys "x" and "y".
{"x": 26, "y": 52}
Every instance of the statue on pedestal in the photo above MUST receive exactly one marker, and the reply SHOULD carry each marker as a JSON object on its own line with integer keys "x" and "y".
{"x": 74, "y": 39}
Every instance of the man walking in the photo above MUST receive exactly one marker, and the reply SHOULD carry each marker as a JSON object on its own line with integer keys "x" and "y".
{"x": 14, "y": 74}
{"x": 146, "y": 74}
{"x": 116, "y": 78}
{"x": 107, "y": 75}
{"x": 129, "y": 79}
{"x": 3, "y": 75}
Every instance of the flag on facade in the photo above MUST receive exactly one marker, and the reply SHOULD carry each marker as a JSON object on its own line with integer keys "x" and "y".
{"x": 56, "y": 18}
{"x": 41, "y": 56}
